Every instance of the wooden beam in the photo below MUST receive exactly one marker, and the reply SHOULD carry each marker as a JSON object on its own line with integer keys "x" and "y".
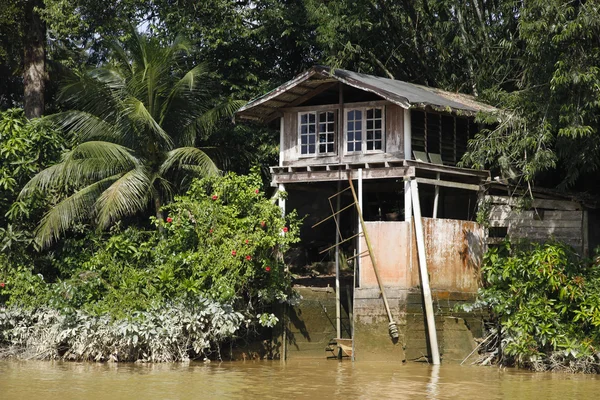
{"x": 455, "y": 185}
{"x": 445, "y": 169}
{"x": 561, "y": 205}
{"x": 373, "y": 103}
{"x": 329, "y": 176}
{"x": 313, "y": 92}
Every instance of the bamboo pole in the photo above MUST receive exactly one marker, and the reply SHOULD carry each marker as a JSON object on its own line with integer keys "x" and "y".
{"x": 416, "y": 206}
{"x": 393, "y": 329}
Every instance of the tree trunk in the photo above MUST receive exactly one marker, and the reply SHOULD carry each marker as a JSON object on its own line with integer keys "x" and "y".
{"x": 34, "y": 60}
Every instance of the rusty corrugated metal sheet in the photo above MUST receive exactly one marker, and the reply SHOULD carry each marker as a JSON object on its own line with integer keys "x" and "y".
{"x": 454, "y": 250}
{"x": 404, "y": 94}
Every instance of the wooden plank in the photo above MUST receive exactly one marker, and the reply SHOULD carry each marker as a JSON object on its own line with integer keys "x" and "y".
{"x": 376, "y": 103}
{"x": 455, "y": 185}
{"x": 319, "y": 89}
{"x": 328, "y": 176}
{"x": 562, "y": 205}
{"x": 394, "y": 130}
{"x": 528, "y": 223}
{"x": 448, "y": 169}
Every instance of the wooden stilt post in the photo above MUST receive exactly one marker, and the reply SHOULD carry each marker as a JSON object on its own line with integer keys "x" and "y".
{"x": 359, "y": 229}
{"x": 436, "y": 198}
{"x": 284, "y": 322}
{"x": 416, "y": 206}
{"x": 338, "y": 309}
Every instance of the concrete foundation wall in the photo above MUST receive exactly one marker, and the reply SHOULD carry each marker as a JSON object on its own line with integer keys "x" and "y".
{"x": 312, "y": 325}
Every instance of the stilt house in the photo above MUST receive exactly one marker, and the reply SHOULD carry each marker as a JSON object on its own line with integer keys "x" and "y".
{"x": 397, "y": 144}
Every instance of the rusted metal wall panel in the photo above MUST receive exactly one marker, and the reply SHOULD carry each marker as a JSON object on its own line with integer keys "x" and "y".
{"x": 454, "y": 250}
{"x": 392, "y": 254}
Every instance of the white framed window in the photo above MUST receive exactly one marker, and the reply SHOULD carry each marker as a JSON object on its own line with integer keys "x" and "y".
{"x": 316, "y": 133}
{"x": 365, "y": 130}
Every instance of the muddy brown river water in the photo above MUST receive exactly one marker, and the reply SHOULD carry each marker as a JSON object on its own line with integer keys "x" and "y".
{"x": 294, "y": 380}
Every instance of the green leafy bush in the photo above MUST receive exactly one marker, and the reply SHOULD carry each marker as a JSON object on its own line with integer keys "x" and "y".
{"x": 223, "y": 242}
{"x": 546, "y": 302}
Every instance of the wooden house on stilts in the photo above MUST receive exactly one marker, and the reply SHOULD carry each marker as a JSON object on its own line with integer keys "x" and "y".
{"x": 418, "y": 251}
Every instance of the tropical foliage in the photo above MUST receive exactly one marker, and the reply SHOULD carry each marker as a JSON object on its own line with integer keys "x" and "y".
{"x": 221, "y": 249}
{"x": 545, "y": 301}
{"x": 135, "y": 121}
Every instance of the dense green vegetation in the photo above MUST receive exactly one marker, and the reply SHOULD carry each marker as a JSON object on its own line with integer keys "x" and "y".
{"x": 545, "y": 302}
{"x": 221, "y": 249}
{"x": 114, "y": 131}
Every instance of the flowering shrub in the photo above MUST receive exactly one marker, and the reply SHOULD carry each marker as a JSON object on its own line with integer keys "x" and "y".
{"x": 221, "y": 242}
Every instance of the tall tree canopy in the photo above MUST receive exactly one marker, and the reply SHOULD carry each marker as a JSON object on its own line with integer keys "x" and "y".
{"x": 135, "y": 122}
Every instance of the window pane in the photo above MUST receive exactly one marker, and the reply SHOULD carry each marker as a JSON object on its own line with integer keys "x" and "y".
{"x": 358, "y": 146}
{"x": 357, "y": 126}
{"x": 378, "y": 124}
{"x": 311, "y": 117}
{"x": 304, "y": 150}
{"x": 358, "y": 136}
{"x": 378, "y": 145}
{"x": 330, "y": 148}
{"x": 369, "y": 145}
{"x": 369, "y": 135}
{"x": 303, "y": 129}
{"x": 358, "y": 114}
{"x": 322, "y": 148}
{"x": 350, "y": 147}
{"x": 378, "y": 135}
{"x": 370, "y": 113}
{"x": 311, "y": 148}
{"x": 311, "y": 139}
{"x": 378, "y": 113}
{"x": 311, "y": 129}
{"x": 369, "y": 124}
{"x": 322, "y": 117}
{"x": 303, "y": 139}
{"x": 303, "y": 118}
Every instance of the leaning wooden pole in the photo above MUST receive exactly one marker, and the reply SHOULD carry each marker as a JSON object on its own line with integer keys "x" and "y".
{"x": 416, "y": 207}
{"x": 393, "y": 329}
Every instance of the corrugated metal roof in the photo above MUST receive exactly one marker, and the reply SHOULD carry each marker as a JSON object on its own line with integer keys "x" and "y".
{"x": 404, "y": 94}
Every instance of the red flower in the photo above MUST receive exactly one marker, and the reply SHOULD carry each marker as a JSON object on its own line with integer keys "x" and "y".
{"x": 169, "y": 220}
{"x": 248, "y": 258}
{"x": 233, "y": 252}
{"x": 2, "y": 284}
{"x": 256, "y": 191}
{"x": 246, "y": 241}
{"x": 262, "y": 224}
{"x": 268, "y": 269}
{"x": 285, "y": 229}
{"x": 215, "y": 197}
{"x": 210, "y": 231}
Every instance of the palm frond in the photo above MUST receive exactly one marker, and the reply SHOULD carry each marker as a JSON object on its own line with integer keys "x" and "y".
{"x": 188, "y": 156}
{"x": 208, "y": 120}
{"x": 83, "y": 165}
{"x": 187, "y": 91}
{"x": 75, "y": 208}
{"x": 85, "y": 126}
{"x": 126, "y": 196}
{"x": 136, "y": 110}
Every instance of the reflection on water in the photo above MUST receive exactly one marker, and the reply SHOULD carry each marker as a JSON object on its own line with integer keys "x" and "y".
{"x": 293, "y": 380}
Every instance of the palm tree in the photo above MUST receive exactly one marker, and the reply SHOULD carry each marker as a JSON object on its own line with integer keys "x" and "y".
{"x": 135, "y": 122}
